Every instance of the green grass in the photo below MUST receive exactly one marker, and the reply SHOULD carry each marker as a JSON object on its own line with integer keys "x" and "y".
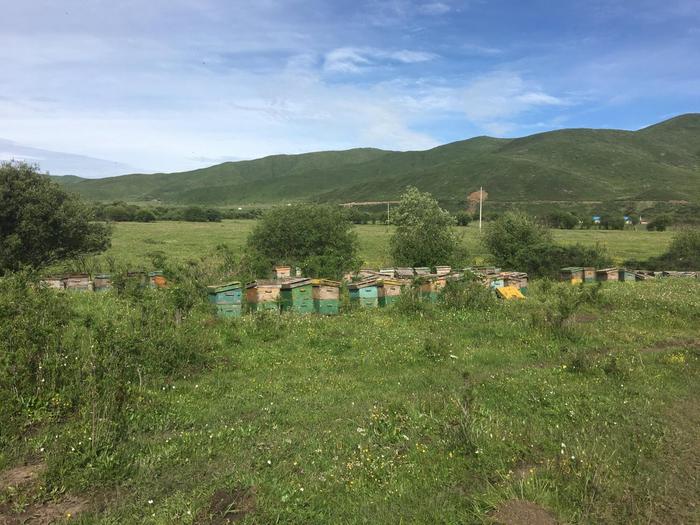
{"x": 657, "y": 163}
{"x": 433, "y": 417}
{"x": 133, "y": 242}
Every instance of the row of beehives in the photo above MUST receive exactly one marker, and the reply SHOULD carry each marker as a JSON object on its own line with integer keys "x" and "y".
{"x": 101, "y": 282}
{"x": 579, "y": 274}
{"x": 367, "y": 288}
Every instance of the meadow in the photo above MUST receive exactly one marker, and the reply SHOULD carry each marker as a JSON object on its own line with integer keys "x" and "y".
{"x": 135, "y": 243}
{"x": 577, "y": 405}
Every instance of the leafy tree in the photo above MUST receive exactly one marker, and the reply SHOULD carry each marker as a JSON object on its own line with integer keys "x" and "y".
{"x": 317, "y": 238}
{"x": 424, "y": 234}
{"x": 41, "y": 223}
{"x": 118, "y": 212}
{"x": 517, "y": 242}
{"x": 463, "y": 218}
{"x": 682, "y": 254}
{"x": 562, "y": 219}
{"x": 514, "y": 238}
{"x": 659, "y": 224}
{"x": 195, "y": 214}
{"x": 213, "y": 215}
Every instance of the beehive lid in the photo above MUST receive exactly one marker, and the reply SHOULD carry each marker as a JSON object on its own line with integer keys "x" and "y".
{"x": 422, "y": 270}
{"x": 389, "y": 282}
{"x": 572, "y": 269}
{"x": 264, "y": 282}
{"x": 295, "y": 282}
{"x": 155, "y": 273}
{"x": 103, "y": 276}
{"x": 404, "y": 272}
{"x": 510, "y": 292}
{"x": 325, "y": 282}
{"x": 221, "y": 288}
{"x": 362, "y": 284}
{"x": 607, "y": 270}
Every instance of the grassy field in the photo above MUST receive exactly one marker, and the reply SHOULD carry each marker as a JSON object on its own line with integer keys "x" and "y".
{"x": 133, "y": 242}
{"x": 430, "y": 414}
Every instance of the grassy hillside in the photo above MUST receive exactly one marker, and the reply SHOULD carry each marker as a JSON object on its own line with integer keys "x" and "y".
{"x": 661, "y": 162}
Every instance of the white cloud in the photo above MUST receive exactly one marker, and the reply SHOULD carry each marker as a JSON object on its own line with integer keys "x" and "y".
{"x": 435, "y": 8}
{"x": 355, "y": 60}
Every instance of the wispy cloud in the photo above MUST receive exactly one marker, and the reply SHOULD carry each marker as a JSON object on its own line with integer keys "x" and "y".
{"x": 355, "y": 60}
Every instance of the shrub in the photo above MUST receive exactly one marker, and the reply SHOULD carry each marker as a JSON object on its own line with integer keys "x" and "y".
{"x": 144, "y": 215}
{"x": 466, "y": 294}
{"x": 423, "y": 235}
{"x": 317, "y": 238}
{"x": 40, "y": 223}
{"x": 463, "y": 218}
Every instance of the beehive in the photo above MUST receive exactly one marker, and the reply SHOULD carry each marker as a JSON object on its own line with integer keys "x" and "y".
{"x": 227, "y": 298}
{"x": 572, "y": 274}
{"x": 388, "y": 291}
{"x": 296, "y": 295}
{"x": 157, "y": 279}
{"x": 102, "y": 282}
{"x": 283, "y": 272}
{"x": 326, "y": 296}
{"x": 57, "y": 283}
{"x": 588, "y": 274}
{"x": 404, "y": 273}
{"x": 516, "y": 279}
{"x": 365, "y": 293}
{"x": 626, "y": 275}
{"x": 430, "y": 286}
{"x": 78, "y": 282}
{"x": 607, "y": 274}
{"x": 443, "y": 270}
{"x": 263, "y": 295}
{"x": 421, "y": 270}
{"x": 386, "y": 272}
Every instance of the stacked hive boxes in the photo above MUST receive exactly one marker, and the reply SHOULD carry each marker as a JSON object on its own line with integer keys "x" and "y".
{"x": 365, "y": 293}
{"x": 296, "y": 295}
{"x": 78, "y": 282}
{"x": 388, "y": 291}
{"x": 588, "y": 274}
{"x": 573, "y": 274}
{"x": 263, "y": 295}
{"x": 228, "y": 298}
{"x": 607, "y": 274}
{"x": 326, "y": 296}
{"x": 102, "y": 282}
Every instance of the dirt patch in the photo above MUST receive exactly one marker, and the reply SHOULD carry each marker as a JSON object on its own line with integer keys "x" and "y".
{"x": 584, "y": 318}
{"x": 522, "y": 512}
{"x": 671, "y": 344}
{"x": 228, "y": 506}
{"x": 46, "y": 513}
{"x": 18, "y": 476}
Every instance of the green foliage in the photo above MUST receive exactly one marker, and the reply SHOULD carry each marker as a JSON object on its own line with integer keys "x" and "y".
{"x": 517, "y": 242}
{"x": 423, "y": 234}
{"x": 659, "y": 224}
{"x": 463, "y": 218}
{"x": 466, "y": 294}
{"x": 144, "y": 215}
{"x": 562, "y": 219}
{"x": 682, "y": 254}
{"x": 319, "y": 239}
{"x": 40, "y": 223}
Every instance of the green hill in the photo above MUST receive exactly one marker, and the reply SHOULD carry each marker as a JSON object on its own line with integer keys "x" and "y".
{"x": 661, "y": 162}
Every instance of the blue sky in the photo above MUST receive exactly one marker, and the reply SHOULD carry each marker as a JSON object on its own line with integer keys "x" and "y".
{"x": 98, "y": 88}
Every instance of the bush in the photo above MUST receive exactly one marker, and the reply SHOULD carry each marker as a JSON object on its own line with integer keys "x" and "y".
{"x": 317, "y": 238}
{"x": 466, "y": 294}
{"x": 144, "y": 215}
{"x": 682, "y": 254}
{"x": 463, "y": 218}
{"x": 423, "y": 235}
{"x": 40, "y": 223}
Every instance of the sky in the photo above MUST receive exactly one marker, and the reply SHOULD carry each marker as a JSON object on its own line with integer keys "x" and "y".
{"x": 101, "y": 87}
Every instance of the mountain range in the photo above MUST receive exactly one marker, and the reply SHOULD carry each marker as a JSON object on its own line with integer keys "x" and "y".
{"x": 657, "y": 163}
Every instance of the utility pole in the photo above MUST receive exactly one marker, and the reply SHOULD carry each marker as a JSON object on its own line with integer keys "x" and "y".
{"x": 481, "y": 204}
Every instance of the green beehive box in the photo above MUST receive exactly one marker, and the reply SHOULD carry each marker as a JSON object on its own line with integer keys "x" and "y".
{"x": 102, "y": 282}
{"x": 388, "y": 291}
{"x": 364, "y": 293}
{"x": 227, "y": 298}
{"x": 626, "y": 275}
{"x": 296, "y": 296}
{"x": 326, "y": 296}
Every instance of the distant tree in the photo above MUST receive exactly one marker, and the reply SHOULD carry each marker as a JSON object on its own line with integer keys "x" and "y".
{"x": 517, "y": 242}
{"x": 423, "y": 234}
{"x": 195, "y": 214}
{"x": 463, "y": 218}
{"x": 118, "y": 212}
{"x": 213, "y": 215}
{"x": 612, "y": 223}
{"x": 659, "y": 224}
{"x": 40, "y": 223}
{"x": 317, "y": 238}
{"x": 682, "y": 254}
{"x": 145, "y": 215}
{"x": 562, "y": 219}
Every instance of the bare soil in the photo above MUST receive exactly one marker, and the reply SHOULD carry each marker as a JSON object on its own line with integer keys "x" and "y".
{"x": 45, "y": 513}
{"x": 22, "y": 475}
{"x": 228, "y": 506}
{"x": 522, "y": 512}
